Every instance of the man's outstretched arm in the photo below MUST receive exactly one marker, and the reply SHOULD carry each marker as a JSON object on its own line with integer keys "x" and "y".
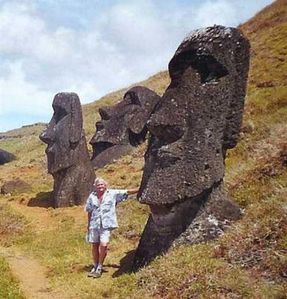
{"x": 132, "y": 191}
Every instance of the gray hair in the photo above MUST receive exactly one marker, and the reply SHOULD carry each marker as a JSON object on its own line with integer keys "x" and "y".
{"x": 100, "y": 180}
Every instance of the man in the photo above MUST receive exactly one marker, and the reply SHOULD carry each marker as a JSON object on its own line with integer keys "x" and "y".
{"x": 102, "y": 219}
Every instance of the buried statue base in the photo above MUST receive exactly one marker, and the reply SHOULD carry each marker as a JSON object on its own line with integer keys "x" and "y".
{"x": 190, "y": 222}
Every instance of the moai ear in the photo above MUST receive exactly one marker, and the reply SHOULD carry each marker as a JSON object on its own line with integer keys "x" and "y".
{"x": 76, "y": 125}
{"x": 241, "y": 56}
{"x": 146, "y": 100}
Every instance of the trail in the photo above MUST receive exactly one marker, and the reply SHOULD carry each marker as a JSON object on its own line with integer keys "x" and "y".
{"x": 31, "y": 275}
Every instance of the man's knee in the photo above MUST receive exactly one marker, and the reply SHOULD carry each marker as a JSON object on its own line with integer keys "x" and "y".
{"x": 96, "y": 244}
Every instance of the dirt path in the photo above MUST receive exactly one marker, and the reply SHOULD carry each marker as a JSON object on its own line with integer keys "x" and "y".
{"x": 31, "y": 275}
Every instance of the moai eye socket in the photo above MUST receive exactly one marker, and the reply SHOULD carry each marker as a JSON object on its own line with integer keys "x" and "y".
{"x": 132, "y": 98}
{"x": 104, "y": 113}
{"x": 205, "y": 65}
{"x": 59, "y": 113}
{"x": 209, "y": 68}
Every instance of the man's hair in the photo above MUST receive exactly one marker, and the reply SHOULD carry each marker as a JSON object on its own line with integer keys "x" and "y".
{"x": 100, "y": 180}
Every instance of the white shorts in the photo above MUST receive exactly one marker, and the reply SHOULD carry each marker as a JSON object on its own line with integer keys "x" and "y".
{"x": 99, "y": 235}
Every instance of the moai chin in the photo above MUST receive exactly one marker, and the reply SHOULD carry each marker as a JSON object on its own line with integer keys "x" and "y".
{"x": 67, "y": 153}
{"x": 196, "y": 121}
{"x": 123, "y": 125}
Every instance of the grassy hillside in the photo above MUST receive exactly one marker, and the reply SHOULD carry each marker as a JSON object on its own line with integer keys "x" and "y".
{"x": 248, "y": 261}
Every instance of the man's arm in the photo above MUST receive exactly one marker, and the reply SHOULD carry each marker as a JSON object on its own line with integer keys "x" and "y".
{"x": 122, "y": 195}
{"x": 132, "y": 191}
{"x": 89, "y": 219}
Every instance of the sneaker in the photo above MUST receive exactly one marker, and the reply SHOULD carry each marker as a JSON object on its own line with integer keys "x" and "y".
{"x": 98, "y": 273}
{"x": 92, "y": 272}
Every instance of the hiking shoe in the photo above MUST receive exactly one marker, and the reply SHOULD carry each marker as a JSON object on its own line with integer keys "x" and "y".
{"x": 92, "y": 272}
{"x": 98, "y": 273}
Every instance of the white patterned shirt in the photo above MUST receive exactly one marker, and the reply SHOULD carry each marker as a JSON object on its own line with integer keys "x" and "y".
{"x": 104, "y": 215}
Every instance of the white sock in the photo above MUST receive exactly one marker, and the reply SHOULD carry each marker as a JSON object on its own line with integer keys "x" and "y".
{"x": 100, "y": 266}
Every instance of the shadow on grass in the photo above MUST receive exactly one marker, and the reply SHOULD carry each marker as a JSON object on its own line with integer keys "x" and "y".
{"x": 126, "y": 264}
{"x": 42, "y": 199}
{"x": 86, "y": 268}
{"x": 124, "y": 267}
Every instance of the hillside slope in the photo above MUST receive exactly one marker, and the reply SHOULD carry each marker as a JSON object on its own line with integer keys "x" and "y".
{"x": 248, "y": 261}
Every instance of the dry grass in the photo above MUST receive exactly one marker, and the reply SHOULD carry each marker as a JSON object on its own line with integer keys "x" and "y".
{"x": 9, "y": 286}
{"x": 12, "y": 225}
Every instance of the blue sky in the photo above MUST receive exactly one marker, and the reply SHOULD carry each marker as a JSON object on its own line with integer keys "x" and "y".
{"x": 93, "y": 47}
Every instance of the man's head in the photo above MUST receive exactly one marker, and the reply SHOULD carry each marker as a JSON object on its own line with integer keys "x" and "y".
{"x": 100, "y": 185}
{"x": 64, "y": 132}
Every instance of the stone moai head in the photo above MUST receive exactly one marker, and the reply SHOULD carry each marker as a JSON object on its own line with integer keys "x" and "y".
{"x": 198, "y": 118}
{"x": 122, "y": 125}
{"x": 67, "y": 153}
{"x": 64, "y": 132}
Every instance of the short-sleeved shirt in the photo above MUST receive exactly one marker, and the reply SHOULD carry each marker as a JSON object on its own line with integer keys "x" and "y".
{"x": 104, "y": 215}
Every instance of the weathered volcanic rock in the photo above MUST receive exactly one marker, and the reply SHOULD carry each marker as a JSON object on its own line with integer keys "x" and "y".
{"x": 67, "y": 153}
{"x": 123, "y": 125}
{"x": 6, "y": 157}
{"x": 196, "y": 121}
{"x": 16, "y": 186}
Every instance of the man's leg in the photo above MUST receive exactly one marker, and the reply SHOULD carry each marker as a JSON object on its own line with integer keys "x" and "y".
{"x": 95, "y": 253}
{"x": 94, "y": 239}
{"x": 103, "y": 248}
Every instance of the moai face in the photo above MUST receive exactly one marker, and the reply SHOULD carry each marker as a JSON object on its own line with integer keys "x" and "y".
{"x": 122, "y": 125}
{"x": 198, "y": 117}
{"x": 64, "y": 132}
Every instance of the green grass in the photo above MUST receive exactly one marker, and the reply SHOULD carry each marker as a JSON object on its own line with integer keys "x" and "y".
{"x": 62, "y": 249}
{"x": 249, "y": 261}
{"x": 9, "y": 288}
{"x": 12, "y": 225}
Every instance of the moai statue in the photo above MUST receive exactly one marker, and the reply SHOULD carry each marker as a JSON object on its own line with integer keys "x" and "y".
{"x": 196, "y": 121}
{"x": 123, "y": 125}
{"x": 67, "y": 153}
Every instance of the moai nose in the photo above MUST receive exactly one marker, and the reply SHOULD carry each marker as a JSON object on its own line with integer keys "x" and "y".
{"x": 105, "y": 113}
{"x": 47, "y": 136}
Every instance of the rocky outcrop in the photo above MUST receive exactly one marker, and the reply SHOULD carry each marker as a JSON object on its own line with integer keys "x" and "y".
{"x": 196, "y": 121}
{"x": 123, "y": 125}
{"x": 6, "y": 157}
{"x": 15, "y": 186}
{"x": 67, "y": 153}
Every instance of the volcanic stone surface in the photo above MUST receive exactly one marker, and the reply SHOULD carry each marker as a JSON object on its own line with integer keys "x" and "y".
{"x": 67, "y": 153}
{"x": 6, "y": 157}
{"x": 196, "y": 121}
{"x": 123, "y": 125}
